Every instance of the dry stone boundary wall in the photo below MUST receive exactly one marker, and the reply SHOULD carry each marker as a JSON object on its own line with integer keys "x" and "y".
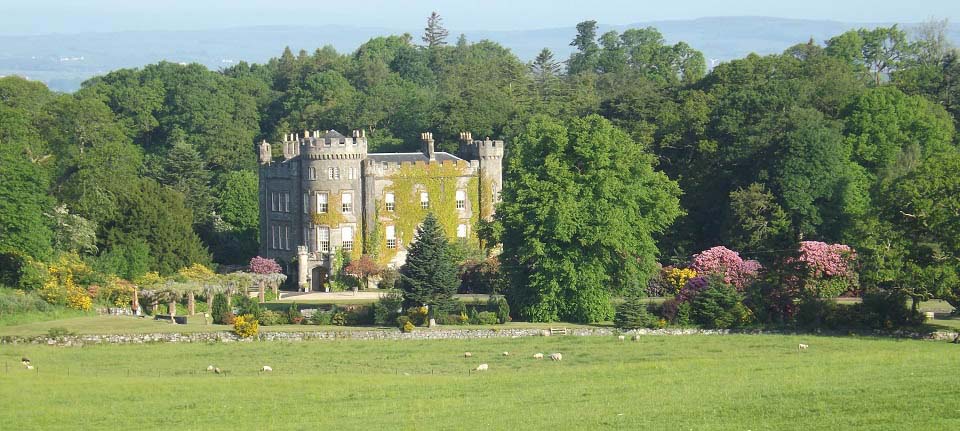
{"x": 392, "y": 334}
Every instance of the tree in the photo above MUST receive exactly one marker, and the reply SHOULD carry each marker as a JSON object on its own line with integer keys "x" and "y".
{"x": 220, "y": 309}
{"x": 588, "y": 51}
{"x": 434, "y": 34}
{"x": 183, "y": 170}
{"x": 24, "y": 199}
{"x": 363, "y": 268}
{"x": 429, "y": 276}
{"x": 580, "y": 208}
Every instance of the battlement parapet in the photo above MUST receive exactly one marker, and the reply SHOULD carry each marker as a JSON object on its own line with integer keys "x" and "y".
{"x": 479, "y": 149}
{"x": 383, "y": 168}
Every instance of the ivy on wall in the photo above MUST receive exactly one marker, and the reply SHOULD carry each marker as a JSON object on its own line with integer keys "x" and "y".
{"x": 441, "y": 182}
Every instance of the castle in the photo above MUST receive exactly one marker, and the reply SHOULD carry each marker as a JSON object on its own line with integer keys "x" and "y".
{"x": 328, "y": 197}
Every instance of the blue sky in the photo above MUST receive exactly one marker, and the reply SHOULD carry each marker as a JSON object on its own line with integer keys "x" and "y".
{"x": 71, "y": 16}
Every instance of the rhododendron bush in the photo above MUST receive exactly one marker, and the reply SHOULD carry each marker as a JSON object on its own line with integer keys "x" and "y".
{"x": 727, "y": 264}
{"x": 827, "y": 269}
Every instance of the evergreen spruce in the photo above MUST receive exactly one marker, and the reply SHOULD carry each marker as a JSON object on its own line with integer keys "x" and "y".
{"x": 633, "y": 314}
{"x": 434, "y": 34}
{"x": 429, "y": 276}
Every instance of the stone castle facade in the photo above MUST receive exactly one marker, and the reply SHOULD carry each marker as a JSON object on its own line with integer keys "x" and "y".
{"x": 329, "y": 197}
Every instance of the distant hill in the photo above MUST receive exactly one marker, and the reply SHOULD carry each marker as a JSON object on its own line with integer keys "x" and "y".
{"x": 63, "y": 61}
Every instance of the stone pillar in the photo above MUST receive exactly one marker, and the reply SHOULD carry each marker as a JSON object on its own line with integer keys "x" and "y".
{"x": 303, "y": 267}
{"x": 135, "y": 301}
{"x": 191, "y": 304}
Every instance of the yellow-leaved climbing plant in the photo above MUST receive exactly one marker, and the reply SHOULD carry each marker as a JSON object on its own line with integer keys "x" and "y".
{"x": 440, "y": 182}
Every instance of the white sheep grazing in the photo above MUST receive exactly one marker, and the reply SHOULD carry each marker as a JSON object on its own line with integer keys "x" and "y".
{"x": 467, "y": 355}
{"x": 506, "y": 353}
{"x": 217, "y": 370}
{"x": 482, "y": 367}
{"x": 25, "y": 361}
{"x": 802, "y": 346}
{"x": 538, "y": 356}
{"x": 266, "y": 368}
{"x": 29, "y": 367}
{"x": 556, "y": 357}
{"x": 621, "y": 337}
{"x": 635, "y": 338}
{"x": 209, "y": 367}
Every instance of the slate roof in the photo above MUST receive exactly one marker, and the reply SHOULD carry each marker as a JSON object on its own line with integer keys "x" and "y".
{"x": 409, "y": 157}
{"x": 333, "y": 134}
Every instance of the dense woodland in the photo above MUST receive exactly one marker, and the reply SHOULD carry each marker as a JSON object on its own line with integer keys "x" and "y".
{"x": 627, "y": 154}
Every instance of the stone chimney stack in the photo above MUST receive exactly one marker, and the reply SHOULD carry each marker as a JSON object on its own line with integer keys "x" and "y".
{"x": 427, "y": 138}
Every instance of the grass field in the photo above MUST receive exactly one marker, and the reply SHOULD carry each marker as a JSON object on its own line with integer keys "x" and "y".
{"x": 736, "y": 382}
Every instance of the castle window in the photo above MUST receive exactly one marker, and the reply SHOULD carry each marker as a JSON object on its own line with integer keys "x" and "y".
{"x": 329, "y": 173}
{"x": 286, "y": 237}
{"x": 323, "y": 239}
{"x": 388, "y": 201}
{"x": 462, "y": 231}
{"x": 352, "y": 173}
{"x": 306, "y": 203}
{"x": 424, "y": 200}
{"x": 313, "y": 173}
{"x": 346, "y": 237}
{"x": 346, "y": 206}
{"x": 461, "y": 199}
{"x": 391, "y": 237}
{"x": 273, "y": 201}
{"x": 286, "y": 201}
{"x": 321, "y": 203}
{"x": 273, "y": 236}
{"x": 336, "y": 173}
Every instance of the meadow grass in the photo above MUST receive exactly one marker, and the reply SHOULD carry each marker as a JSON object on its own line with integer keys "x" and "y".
{"x": 661, "y": 382}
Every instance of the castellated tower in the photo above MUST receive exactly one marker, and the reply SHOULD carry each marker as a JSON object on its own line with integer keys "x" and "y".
{"x": 489, "y": 153}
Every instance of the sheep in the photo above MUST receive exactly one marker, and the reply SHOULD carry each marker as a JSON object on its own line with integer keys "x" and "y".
{"x": 506, "y": 353}
{"x": 217, "y": 370}
{"x": 621, "y": 337}
{"x": 467, "y": 355}
{"x": 635, "y": 338}
{"x": 538, "y": 356}
{"x": 482, "y": 367}
{"x": 266, "y": 368}
{"x": 29, "y": 367}
{"x": 556, "y": 357}
{"x": 802, "y": 346}
{"x": 25, "y": 361}
{"x": 209, "y": 367}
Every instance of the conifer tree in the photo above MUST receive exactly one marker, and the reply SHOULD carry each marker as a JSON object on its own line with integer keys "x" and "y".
{"x": 434, "y": 34}
{"x": 429, "y": 276}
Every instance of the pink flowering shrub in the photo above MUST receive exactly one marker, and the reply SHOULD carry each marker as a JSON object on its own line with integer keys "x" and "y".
{"x": 727, "y": 264}
{"x": 827, "y": 269}
{"x": 263, "y": 265}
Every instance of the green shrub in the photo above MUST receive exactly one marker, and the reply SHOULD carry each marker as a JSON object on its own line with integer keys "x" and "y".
{"x": 719, "y": 306}
{"x": 247, "y": 305}
{"x": 418, "y": 315}
{"x": 407, "y": 327}
{"x": 19, "y": 301}
{"x": 887, "y": 310}
{"x": 403, "y": 321}
{"x": 486, "y": 318}
{"x": 339, "y": 318}
{"x": 634, "y": 314}
{"x": 498, "y": 305}
{"x": 293, "y": 314}
{"x": 387, "y": 308}
{"x": 322, "y": 318}
{"x": 270, "y": 318}
{"x": 388, "y": 279}
{"x": 220, "y": 309}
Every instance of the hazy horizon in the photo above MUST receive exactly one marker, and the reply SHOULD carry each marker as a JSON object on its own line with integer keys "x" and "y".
{"x": 103, "y": 16}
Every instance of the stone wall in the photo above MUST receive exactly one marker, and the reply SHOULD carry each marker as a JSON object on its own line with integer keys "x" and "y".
{"x": 421, "y": 334}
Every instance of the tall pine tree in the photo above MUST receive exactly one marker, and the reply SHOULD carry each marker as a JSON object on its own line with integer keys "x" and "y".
{"x": 434, "y": 34}
{"x": 429, "y": 277}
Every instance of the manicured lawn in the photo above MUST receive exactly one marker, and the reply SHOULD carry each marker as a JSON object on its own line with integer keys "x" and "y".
{"x": 736, "y": 382}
